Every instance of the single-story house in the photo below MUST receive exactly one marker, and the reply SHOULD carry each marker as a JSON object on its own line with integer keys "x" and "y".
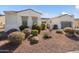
{"x": 14, "y": 19}
{"x": 62, "y": 21}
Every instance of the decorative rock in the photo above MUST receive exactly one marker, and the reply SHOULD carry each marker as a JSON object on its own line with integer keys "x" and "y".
{"x": 34, "y": 40}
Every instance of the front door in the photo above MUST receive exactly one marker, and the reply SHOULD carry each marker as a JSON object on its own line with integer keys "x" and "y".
{"x": 55, "y": 26}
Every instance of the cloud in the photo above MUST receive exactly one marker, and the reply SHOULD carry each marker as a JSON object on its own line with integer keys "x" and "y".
{"x": 64, "y": 13}
{"x": 1, "y": 12}
{"x": 77, "y": 7}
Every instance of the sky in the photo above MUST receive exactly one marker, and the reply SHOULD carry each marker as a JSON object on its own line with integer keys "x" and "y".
{"x": 47, "y": 11}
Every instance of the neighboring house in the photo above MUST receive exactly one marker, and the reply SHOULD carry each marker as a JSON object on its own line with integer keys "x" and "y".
{"x": 14, "y": 19}
{"x": 63, "y": 21}
{"x": 2, "y": 21}
{"x": 77, "y": 24}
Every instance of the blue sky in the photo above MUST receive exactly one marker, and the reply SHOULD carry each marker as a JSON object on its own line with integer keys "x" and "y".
{"x": 46, "y": 10}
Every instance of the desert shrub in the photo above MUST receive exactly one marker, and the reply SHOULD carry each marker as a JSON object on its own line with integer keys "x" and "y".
{"x": 35, "y": 26}
{"x": 69, "y": 31}
{"x": 59, "y": 32}
{"x": 46, "y": 36}
{"x": 39, "y": 29}
{"x": 22, "y": 27}
{"x": 11, "y": 30}
{"x": 34, "y": 40}
{"x": 43, "y": 26}
{"x": 27, "y": 32}
{"x": 16, "y": 37}
{"x": 34, "y": 32}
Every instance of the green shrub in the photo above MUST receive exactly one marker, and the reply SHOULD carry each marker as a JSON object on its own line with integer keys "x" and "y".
{"x": 22, "y": 27}
{"x": 34, "y": 32}
{"x": 59, "y": 32}
{"x": 16, "y": 37}
{"x": 69, "y": 31}
{"x": 39, "y": 29}
{"x": 36, "y": 27}
{"x": 43, "y": 26}
{"x": 46, "y": 36}
{"x": 27, "y": 32}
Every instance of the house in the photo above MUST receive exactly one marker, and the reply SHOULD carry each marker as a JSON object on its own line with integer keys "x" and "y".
{"x": 62, "y": 21}
{"x": 2, "y": 21}
{"x": 77, "y": 23}
{"x": 14, "y": 19}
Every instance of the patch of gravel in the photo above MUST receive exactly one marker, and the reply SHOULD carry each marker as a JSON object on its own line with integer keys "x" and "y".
{"x": 59, "y": 43}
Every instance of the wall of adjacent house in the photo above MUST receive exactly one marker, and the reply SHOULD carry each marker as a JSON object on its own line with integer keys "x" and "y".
{"x": 55, "y": 21}
{"x": 11, "y": 21}
{"x": 77, "y": 24}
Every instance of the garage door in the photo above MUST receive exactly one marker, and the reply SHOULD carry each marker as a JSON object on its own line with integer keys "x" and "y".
{"x": 66, "y": 24}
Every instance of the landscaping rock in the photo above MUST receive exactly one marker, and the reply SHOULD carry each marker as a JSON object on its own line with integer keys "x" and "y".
{"x": 34, "y": 40}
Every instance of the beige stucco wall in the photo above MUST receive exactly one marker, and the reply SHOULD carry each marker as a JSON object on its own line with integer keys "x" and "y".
{"x": 11, "y": 21}
{"x": 47, "y": 20}
{"x": 29, "y": 13}
{"x": 77, "y": 24}
{"x": 2, "y": 19}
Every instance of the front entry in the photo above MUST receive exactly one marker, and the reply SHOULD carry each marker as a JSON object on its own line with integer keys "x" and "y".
{"x": 55, "y": 26}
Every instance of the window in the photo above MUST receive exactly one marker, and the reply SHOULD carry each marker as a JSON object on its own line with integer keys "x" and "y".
{"x": 24, "y": 20}
{"x": 34, "y": 19}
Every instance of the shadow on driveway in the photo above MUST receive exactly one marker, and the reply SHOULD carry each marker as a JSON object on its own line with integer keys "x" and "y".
{"x": 73, "y": 37}
{"x": 8, "y": 48}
